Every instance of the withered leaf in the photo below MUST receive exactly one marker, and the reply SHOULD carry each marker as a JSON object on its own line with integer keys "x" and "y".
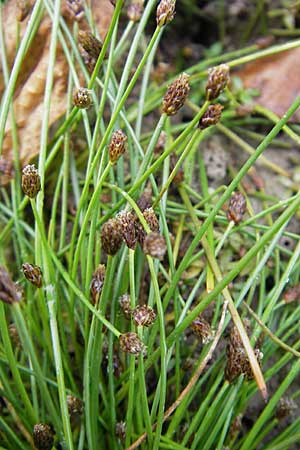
{"x": 29, "y": 92}
{"x": 277, "y": 79}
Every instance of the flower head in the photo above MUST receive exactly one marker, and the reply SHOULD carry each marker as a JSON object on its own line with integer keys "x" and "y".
{"x": 176, "y": 95}
{"x": 31, "y": 182}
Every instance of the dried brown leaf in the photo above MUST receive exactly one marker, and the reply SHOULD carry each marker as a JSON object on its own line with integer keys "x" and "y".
{"x": 29, "y": 92}
{"x": 277, "y": 79}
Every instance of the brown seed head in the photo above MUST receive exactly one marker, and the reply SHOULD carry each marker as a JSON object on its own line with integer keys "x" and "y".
{"x": 75, "y": 406}
{"x": 31, "y": 182}
{"x": 165, "y": 12}
{"x": 135, "y": 10}
{"x": 127, "y": 222}
{"x": 144, "y": 201}
{"x": 211, "y": 116}
{"x": 9, "y": 292}
{"x": 111, "y": 236}
{"x": 124, "y": 302}
{"x": 43, "y": 436}
{"x": 176, "y": 95}
{"x": 237, "y": 207}
{"x": 143, "y": 315}
{"x": 23, "y": 9}
{"x": 218, "y": 78}
{"x": 82, "y": 98}
{"x": 121, "y": 430}
{"x": 202, "y": 328}
{"x": 89, "y": 43}
{"x": 155, "y": 245}
{"x": 117, "y": 146}
{"x": 131, "y": 343}
{"x": 285, "y": 407}
{"x": 97, "y": 283}
{"x": 33, "y": 274}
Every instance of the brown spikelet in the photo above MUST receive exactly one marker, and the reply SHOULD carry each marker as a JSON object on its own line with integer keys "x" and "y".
{"x": 82, "y": 98}
{"x": 14, "y": 335}
{"x": 75, "y": 9}
{"x": 285, "y": 407}
{"x": 31, "y": 182}
{"x": 89, "y": 43}
{"x": 111, "y": 236}
{"x": 211, "y": 116}
{"x": 97, "y": 283}
{"x": 165, "y": 12}
{"x": 155, "y": 245}
{"x": 292, "y": 294}
{"x": 127, "y": 221}
{"x": 202, "y": 328}
{"x": 135, "y": 10}
{"x": 121, "y": 430}
{"x": 9, "y": 293}
{"x": 237, "y": 359}
{"x": 176, "y": 95}
{"x": 151, "y": 220}
{"x": 144, "y": 201}
{"x": 124, "y": 302}
{"x": 117, "y": 146}
{"x": 143, "y": 315}
{"x": 131, "y": 343}
{"x": 237, "y": 207}
{"x": 218, "y": 78}
{"x": 33, "y": 274}
{"x": 43, "y": 436}
{"x": 75, "y": 406}
{"x": 23, "y": 9}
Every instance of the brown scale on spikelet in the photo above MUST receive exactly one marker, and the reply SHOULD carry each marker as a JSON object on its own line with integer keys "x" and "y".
{"x": 218, "y": 78}
{"x": 33, "y": 274}
{"x": 117, "y": 146}
{"x": 176, "y": 95}
{"x": 131, "y": 343}
{"x": 143, "y": 316}
{"x": 23, "y": 9}
{"x": 285, "y": 407}
{"x": 124, "y": 302}
{"x": 82, "y": 98}
{"x": 237, "y": 207}
{"x": 155, "y": 245}
{"x": 97, "y": 283}
{"x": 43, "y": 436}
{"x": 135, "y": 10}
{"x": 111, "y": 236}
{"x": 211, "y": 116}
{"x": 121, "y": 430}
{"x": 165, "y": 12}
{"x": 202, "y": 328}
{"x": 127, "y": 221}
{"x": 9, "y": 292}
{"x": 31, "y": 182}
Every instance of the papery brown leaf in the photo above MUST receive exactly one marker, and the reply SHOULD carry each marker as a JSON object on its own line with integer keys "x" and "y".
{"x": 29, "y": 92}
{"x": 277, "y": 79}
